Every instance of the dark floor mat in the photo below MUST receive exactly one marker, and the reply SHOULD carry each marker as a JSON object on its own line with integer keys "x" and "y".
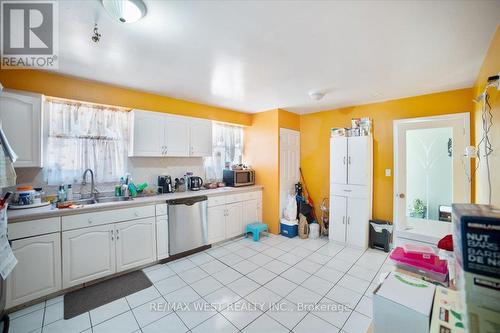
{"x": 91, "y": 297}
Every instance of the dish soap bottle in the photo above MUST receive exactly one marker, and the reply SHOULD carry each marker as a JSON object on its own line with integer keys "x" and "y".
{"x": 61, "y": 194}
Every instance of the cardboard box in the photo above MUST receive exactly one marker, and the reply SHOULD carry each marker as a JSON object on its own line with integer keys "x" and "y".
{"x": 447, "y": 312}
{"x": 402, "y": 304}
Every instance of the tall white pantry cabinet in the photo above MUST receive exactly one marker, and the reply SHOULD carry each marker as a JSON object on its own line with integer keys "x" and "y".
{"x": 351, "y": 176}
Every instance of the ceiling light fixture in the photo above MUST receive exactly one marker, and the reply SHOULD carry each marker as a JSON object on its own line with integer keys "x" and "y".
{"x": 316, "y": 95}
{"x": 125, "y": 11}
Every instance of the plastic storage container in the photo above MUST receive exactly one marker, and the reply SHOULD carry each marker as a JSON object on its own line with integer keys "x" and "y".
{"x": 289, "y": 229}
{"x": 429, "y": 266}
{"x": 313, "y": 230}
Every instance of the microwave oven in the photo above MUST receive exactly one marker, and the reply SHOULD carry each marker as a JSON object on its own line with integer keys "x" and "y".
{"x": 238, "y": 177}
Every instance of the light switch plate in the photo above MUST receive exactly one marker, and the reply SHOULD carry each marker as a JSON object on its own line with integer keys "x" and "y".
{"x": 387, "y": 172}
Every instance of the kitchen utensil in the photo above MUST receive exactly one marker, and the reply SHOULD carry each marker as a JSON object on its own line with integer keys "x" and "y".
{"x": 195, "y": 183}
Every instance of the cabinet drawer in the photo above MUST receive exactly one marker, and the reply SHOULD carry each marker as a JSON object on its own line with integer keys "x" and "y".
{"x": 161, "y": 209}
{"x": 216, "y": 201}
{"x": 352, "y": 191}
{"x": 34, "y": 228}
{"x": 251, "y": 195}
{"x": 235, "y": 198}
{"x": 105, "y": 217}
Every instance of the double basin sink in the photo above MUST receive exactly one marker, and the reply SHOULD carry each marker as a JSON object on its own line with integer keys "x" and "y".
{"x": 93, "y": 201}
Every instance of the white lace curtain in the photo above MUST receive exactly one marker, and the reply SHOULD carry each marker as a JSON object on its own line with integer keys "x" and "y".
{"x": 85, "y": 136}
{"x": 227, "y": 142}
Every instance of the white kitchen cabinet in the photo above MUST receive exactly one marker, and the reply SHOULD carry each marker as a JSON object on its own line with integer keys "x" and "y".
{"x": 234, "y": 219}
{"x": 338, "y": 206}
{"x": 21, "y": 120}
{"x": 176, "y": 136}
{"x": 351, "y": 165}
{"x": 135, "y": 243}
{"x": 250, "y": 213}
{"x": 357, "y": 226}
{"x": 38, "y": 271}
{"x": 216, "y": 224}
{"x": 200, "y": 136}
{"x": 338, "y": 160}
{"x": 161, "y": 237}
{"x": 88, "y": 254}
{"x": 146, "y": 133}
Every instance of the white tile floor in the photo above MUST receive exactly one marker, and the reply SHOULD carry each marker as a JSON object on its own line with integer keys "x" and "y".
{"x": 218, "y": 290}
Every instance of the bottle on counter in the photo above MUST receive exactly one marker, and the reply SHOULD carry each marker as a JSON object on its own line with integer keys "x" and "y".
{"x": 61, "y": 194}
{"x": 69, "y": 192}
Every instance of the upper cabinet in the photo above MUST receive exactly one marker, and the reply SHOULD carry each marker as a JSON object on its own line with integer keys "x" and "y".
{"x": 158, "y": 134}
{"x": 350, "y": 160}
{"x": 23, "y": 111}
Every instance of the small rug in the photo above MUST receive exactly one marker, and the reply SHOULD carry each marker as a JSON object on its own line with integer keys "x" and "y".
{"x": 93, "y": 296}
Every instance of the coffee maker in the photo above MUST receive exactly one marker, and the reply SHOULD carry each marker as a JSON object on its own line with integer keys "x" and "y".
{"x": 165, "y": 184}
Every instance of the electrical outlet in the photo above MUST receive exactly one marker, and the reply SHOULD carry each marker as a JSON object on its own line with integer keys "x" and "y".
{"x": 387, "y": 172}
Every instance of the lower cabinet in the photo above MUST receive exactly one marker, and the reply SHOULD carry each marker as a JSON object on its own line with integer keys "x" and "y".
{"x": 234, "y": 219}
{"x": 135, "y": 243}
{"x": 95, "y": 252}
{"x": 229, "y": 220}
{"x": 38, "y": 271}
{"x": 161, "y": 237}
{"x": 88, "y": 254}
{"x": 216, "y": 224}
{"x": 349, "y": 223}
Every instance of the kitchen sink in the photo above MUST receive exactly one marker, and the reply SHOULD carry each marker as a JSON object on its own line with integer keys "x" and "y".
{"x": 113, "y": 199}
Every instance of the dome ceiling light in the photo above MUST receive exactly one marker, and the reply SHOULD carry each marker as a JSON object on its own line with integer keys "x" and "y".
{"x": 316, "y": 95}
{"x": 125, "y": 11}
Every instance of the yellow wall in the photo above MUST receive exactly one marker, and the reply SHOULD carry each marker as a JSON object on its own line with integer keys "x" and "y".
{"x": 491, "y": 66}
{"x": 288, "y": 120}
{"x": 56, "y": 85}
{"x": 315, "y": 134}
{"x": 262, "y": 153}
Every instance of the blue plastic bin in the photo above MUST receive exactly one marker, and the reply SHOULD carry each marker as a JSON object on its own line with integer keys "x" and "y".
{"x": 288, "y": 230}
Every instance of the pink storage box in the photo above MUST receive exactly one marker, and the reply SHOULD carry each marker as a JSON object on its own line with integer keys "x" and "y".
{"x": 426, "y": 264}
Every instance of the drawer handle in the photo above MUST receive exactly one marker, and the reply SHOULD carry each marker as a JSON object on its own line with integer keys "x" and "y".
{"x": 347, "y": 190}
{"x": 90, "y": 220}
{"x": 136, "y": 214}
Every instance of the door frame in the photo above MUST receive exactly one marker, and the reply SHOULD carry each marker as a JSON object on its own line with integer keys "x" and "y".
{"x": 285, "y": 131}
{"x": 464, "y": 117}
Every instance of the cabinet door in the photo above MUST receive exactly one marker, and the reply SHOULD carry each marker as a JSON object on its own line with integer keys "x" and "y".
{"x": 358, "y": 165}
{"x": 21, "y": 120}
{"x": 234, "y": 219}
{"x": 250, "y": 213}
{"x": 38, "y": 271}
{"x": 88, "y": 254}
{"x": 161, "y": 237}
{"x": 259, "y": 207}
{"x": 176, "y": 136}
{"x": 357, "y": 222}
{"x": 135, "y": 243}
{"x": 200, "y": 137}
{"x": 147, "y": 133}
{"x": 338, "y": 218}
{"x": 338, "y": 160}
{"x": 216, "y": 224}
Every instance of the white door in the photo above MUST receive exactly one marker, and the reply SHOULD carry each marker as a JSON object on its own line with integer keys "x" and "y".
{"x": 338, "y": 160}
{"x": 357, "y": 171}
{"x": 21, "y": 120}
{"x": 200, "y": 132}
{"x": 176, "y": 136}
{"x": 250, "y": 213}
{"x": 289, "y": 164}
{"x": 88, "y": 254}
{"x": 357, "y": 222}
{"x": 135, "y": 243}
{"x": 234, "y": 219}
{"x": 147, "y": 133}
{"x": 216, "y": 224}
{"x": 338, "y": 218}
{"x": 38, "y": 271}
{"x": 161, "y": 237}
{"x": 430, "y": 171}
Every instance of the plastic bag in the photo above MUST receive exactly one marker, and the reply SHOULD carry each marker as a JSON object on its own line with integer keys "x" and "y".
{"x": 290, "y": 212}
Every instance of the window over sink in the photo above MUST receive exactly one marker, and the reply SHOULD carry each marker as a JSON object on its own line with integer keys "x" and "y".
{"x": 82, "y": 136}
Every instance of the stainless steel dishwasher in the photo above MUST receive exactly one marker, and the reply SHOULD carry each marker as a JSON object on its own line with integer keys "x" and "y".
{"x": 187, "y": 224}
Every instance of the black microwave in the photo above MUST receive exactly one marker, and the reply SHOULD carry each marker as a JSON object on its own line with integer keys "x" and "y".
{"x": 238, "y": 177}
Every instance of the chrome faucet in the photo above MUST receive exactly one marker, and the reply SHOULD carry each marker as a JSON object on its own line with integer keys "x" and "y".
{"x": 93, "y": 192}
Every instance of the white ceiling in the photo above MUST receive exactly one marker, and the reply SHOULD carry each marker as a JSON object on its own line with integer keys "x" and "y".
{"x": 258, "y": 55}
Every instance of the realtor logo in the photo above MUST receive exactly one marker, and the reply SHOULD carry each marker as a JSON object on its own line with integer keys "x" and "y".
{"x": 29, "y": 34}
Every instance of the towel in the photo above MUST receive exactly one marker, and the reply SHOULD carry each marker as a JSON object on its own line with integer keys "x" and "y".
{"x": 7, "y": 158}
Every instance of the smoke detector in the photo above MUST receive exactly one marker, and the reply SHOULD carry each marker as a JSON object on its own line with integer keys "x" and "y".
{"x": 316, "y": 95}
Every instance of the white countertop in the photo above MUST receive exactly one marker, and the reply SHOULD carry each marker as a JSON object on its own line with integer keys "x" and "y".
{"x": 47, "y": 211}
